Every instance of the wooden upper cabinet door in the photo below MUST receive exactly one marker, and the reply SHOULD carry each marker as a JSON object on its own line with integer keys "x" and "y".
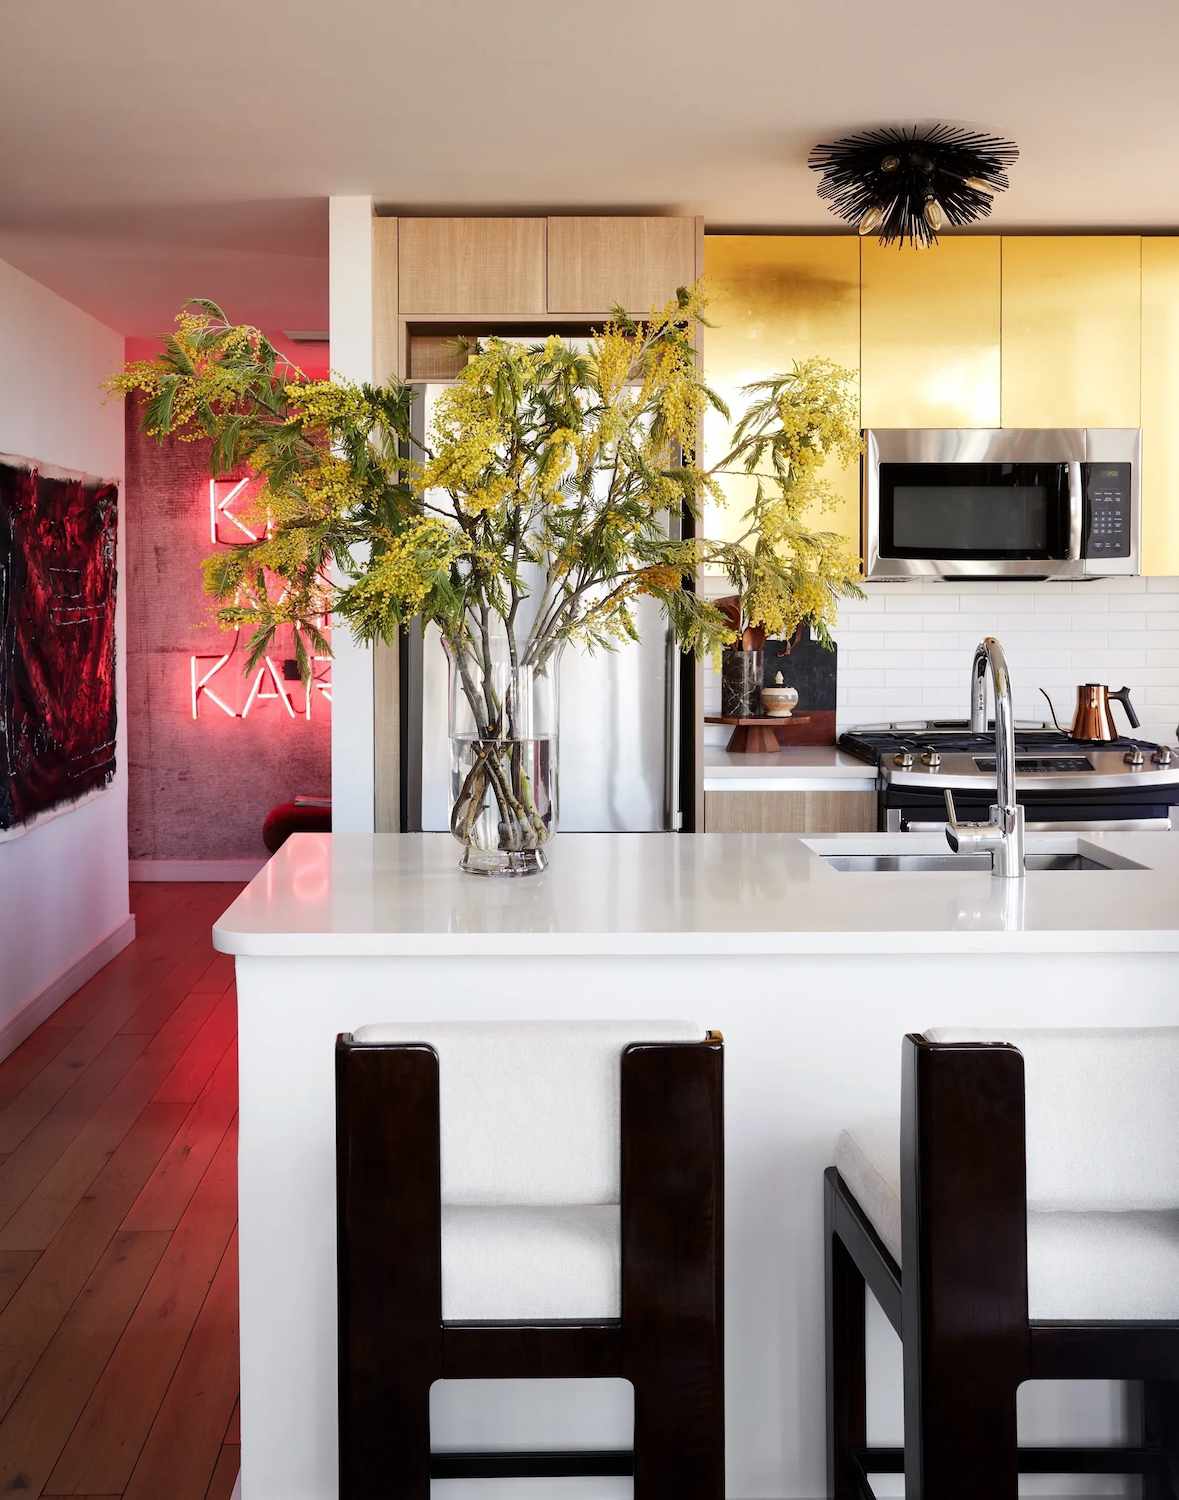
{"x": 1160, "y": 402}
{"x": 1071, "y": 330}
{"x": 492, "y": 267}
{"x": 930, "y": 334}
{"x": 596, "y": 264}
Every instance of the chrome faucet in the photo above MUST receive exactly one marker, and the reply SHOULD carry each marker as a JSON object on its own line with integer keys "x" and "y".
{"x": 1002, "y": 835}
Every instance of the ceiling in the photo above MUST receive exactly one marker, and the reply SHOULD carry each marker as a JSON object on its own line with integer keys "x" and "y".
{"x": 151, "y": 153}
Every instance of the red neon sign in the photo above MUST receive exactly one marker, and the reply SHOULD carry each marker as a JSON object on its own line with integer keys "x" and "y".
{"x": 223, "y": 493}
{"x": 268, "y": 685}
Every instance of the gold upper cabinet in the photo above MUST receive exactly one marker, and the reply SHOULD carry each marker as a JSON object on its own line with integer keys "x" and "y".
{"x": 774, "y": 299}
{"x": 930, "y": 334}
{"x": 1071, "y": 331}
{"x": 1160, "y": 403}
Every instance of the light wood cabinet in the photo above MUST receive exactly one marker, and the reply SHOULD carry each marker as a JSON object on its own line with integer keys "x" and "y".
{"x": 602, "y": 262}
{"x": 790, "y": 812}
{"x": 1071, "y": 335}
{"x": 480, "y": 267}
{"x": 774, "y": 299}
{"x": 1160, "y": 403}
{"x": 930, "y": 334}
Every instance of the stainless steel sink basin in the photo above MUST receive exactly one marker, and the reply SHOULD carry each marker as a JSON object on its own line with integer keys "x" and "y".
{"x": 896, "y": 864}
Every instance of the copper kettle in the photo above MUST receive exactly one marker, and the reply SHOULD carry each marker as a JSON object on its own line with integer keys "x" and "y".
{"x": 1093, "y": 719}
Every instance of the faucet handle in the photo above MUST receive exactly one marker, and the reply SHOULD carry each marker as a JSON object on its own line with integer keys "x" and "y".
{"x": 951, "y": 810}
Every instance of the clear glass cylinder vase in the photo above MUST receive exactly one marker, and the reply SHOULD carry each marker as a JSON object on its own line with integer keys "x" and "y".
{"x": 503, "y": 756}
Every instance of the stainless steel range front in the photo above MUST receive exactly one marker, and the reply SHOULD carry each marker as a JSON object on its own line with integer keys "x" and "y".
{"x": 1062, "y": 783}
{"x": 1052, "y": 503}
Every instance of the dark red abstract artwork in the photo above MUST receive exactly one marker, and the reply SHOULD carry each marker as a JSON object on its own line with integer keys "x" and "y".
{"x": 58, "y": 541}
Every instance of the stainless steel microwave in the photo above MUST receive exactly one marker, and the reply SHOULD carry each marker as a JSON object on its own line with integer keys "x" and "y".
{"x": 1001, "y": 502}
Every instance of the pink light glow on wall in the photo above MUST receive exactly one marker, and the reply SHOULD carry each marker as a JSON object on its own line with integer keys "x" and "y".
{"x": 201, "y": 788}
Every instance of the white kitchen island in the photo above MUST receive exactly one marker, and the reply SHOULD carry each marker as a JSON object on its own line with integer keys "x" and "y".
{"x": 813, "y": 974}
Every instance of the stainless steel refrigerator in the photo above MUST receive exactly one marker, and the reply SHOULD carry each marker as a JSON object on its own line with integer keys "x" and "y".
{"x": 624, "y": 737}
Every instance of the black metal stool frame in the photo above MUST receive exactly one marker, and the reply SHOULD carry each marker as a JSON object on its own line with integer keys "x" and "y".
{"x": 961, "y": 1305}
{"x": 393, "y": 1342}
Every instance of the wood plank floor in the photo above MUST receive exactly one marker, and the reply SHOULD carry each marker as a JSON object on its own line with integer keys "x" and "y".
{"x": 118, "y": 1224}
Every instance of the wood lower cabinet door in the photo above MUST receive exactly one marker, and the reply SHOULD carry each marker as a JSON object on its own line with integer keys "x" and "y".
{"x": 1071, "y": 338}
{"x": 790, "y": 812}
{"x": 486, "y": 267}
{"x": 602, "y": 262}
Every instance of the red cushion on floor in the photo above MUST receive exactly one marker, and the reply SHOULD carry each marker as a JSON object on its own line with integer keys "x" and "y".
{"x": 294, "y": 817}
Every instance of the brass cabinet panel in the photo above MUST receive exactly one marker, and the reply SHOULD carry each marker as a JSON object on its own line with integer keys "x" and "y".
{"x": 774, "y": 299}
{"x": 489, "y": 267}
{"x": 1160, "y": 404}
{"x": 599, "y": 263}
{"x": 1071, "y": 346}
{"x": 930, "y": 334}
{"x": 790, "y": 812}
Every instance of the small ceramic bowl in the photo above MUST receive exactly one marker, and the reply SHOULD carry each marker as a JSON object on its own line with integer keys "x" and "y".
{"x": 779, "y": 702}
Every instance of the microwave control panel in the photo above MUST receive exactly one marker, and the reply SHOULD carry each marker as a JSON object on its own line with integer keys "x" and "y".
{"x": 1106, "y": 526}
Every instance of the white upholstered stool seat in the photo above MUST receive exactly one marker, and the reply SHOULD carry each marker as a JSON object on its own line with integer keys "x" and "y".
{"x": 1081, "y": 1265}
{"x": 529, "y": 1263}
{"x": 530, "y": 1148}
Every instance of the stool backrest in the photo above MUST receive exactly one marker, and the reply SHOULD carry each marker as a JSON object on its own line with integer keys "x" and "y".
{"x": 530, "y": 1110}
{"x": 1102, "y": 1115}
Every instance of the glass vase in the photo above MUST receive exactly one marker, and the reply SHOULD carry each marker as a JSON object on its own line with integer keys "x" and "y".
{"x": 503, "y": 756}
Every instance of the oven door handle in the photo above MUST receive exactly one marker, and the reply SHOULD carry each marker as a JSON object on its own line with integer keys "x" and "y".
{"x": 1094, "y": 825}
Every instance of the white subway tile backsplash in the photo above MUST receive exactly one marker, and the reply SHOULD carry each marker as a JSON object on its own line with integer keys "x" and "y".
{"x": 1061, "y": 600}
{"x": 1136, "y": 603}
{"x": 904, "y": 652}
{"x": 917, "y": 603}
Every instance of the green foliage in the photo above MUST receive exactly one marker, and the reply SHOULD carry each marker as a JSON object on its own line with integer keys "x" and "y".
{"x": 549, "y": 476}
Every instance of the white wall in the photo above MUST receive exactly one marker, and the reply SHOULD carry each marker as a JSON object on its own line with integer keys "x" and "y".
{"x": 350, "y": 320}
{"x": 63, "y": 885}
{"x": 904, "y": 652}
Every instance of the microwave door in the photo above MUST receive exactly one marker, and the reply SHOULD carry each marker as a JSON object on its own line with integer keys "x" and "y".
{"x": 1001, "y": 502}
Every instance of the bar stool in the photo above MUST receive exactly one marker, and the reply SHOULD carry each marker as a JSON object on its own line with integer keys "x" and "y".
{"x": 530, "y": 1200}
{"x": 1019, "y": 1221}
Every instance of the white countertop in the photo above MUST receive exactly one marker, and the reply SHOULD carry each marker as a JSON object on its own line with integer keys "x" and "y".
{"x": 799, "y": 768}
{"x": 646, "y": 894}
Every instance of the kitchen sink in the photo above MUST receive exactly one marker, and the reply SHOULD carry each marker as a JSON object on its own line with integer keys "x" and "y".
{"x": 896, "y": 864}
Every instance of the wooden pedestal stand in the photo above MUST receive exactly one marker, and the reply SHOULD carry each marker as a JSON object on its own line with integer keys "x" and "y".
{"x": 766, "y": 736}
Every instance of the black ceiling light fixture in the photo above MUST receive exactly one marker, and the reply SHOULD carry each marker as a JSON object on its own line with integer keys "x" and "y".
{"x": 908, "y": 184}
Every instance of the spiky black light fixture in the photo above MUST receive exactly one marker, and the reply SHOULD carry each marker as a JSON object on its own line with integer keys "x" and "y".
{"x": 908, "y": 184}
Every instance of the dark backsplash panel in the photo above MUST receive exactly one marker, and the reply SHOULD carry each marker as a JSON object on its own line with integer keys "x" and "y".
{"x": 809, "y": 667}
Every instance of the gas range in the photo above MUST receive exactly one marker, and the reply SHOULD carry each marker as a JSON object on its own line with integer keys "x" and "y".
{"x": 1061, "y": 782}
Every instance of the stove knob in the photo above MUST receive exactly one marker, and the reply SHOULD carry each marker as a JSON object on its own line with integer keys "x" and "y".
{"x": 1134, "y": 757}
{"x": 930, "y": 757}
{"x": 904, "y": 759}
{"x": 1162, "y": 756}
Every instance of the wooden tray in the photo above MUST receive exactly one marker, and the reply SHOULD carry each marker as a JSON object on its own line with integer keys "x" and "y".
{"x": 765, "y": 736}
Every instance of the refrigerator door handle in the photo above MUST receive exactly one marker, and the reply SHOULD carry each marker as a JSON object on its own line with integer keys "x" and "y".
{"x": 672, "y": 813}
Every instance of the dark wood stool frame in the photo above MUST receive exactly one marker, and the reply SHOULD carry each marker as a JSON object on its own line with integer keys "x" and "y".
{"x": 961, "y": 1306}
{"x": 393, "y": 1343}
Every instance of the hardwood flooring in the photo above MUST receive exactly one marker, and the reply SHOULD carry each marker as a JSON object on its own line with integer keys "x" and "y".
{"x": 118, "y": 1220}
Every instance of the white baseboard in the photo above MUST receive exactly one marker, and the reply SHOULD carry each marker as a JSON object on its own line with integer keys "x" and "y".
{"x": 42, "y": 1006}
{"x": 195, "y": 869}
